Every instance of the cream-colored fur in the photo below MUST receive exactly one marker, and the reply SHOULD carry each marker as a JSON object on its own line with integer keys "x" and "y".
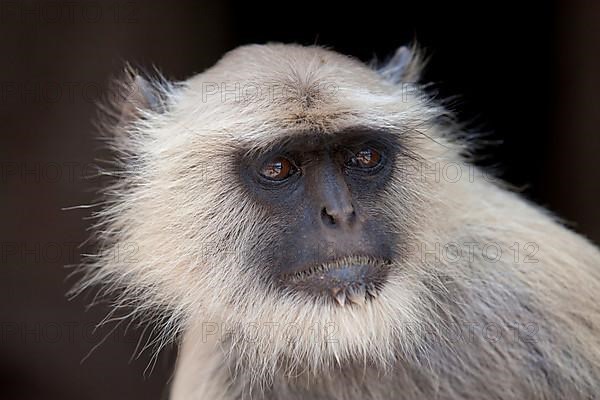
{"x": 529, "y": 313}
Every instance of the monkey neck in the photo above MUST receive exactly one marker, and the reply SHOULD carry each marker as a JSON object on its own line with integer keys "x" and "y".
{"x": 207, "y": 371}
{"x": 208, "y": 367}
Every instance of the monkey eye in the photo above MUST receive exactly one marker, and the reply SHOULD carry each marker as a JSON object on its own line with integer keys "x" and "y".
{"x": 278, "y": 169}
{"x": 365, "y": 158}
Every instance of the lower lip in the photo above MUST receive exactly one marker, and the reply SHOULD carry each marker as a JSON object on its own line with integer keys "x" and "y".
{"x": 350, "y": 274}
{"x": 341, "y": 277}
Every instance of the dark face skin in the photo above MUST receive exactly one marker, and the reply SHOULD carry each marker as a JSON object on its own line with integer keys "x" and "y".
{"x": 322, "y": 192}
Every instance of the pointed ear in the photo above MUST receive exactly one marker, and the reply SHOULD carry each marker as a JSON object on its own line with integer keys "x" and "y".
{"x": 137, "y": 96}
{"x": 404, "y": 66}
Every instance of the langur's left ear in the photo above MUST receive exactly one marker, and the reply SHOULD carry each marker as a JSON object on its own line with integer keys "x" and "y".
{"x": 405, "y": 65}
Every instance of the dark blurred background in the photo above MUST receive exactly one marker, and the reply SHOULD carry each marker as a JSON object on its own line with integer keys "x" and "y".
{"x": 526, "y": 73}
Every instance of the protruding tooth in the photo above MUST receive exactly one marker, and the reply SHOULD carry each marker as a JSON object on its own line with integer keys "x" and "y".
{"x": 340, "y": 296}
{"x": 356, "y": 295}
{"x": 372, "y": 290}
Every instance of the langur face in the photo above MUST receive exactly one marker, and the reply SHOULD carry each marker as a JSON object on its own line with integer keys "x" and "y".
{"x": 321, "y": 193}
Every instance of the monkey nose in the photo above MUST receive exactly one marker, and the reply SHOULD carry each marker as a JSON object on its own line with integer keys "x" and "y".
{"x": 338, "y": 216}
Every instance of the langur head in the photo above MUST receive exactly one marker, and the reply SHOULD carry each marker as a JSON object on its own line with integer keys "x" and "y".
{"x": 270, "y": 197}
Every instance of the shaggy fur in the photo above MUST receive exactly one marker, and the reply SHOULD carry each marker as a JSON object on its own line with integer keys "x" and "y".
{"x": 488, "y": 297}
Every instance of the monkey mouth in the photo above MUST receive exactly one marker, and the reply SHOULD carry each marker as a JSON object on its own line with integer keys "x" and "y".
{"x": 345, "y": 281}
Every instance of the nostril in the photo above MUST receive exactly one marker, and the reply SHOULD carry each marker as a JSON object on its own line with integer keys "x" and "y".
{"x": 333, "y": 217}
{"x": 326, "y": 217}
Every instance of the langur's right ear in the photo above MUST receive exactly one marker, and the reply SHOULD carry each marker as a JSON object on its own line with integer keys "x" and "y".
{"x": 137, "y": 96}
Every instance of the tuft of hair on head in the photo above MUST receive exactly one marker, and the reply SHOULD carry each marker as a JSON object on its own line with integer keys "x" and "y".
{"x": 134, "y": 102}
{"x": 405, "y": 66}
